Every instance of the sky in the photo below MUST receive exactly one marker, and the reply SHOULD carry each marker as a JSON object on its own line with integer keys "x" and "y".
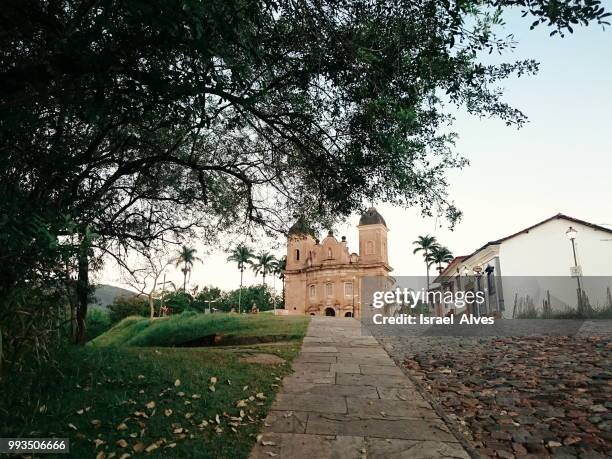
{"x": 560, "y": 161}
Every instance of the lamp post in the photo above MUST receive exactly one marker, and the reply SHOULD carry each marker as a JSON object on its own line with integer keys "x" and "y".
{"x": 571, "y": 234}
{"x": 477, "y": 280}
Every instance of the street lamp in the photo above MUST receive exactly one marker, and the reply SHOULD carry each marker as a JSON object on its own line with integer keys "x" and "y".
{"x": 572, "y": 234}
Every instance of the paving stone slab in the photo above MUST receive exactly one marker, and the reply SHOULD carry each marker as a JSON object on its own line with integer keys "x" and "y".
{"x": 386, "y": 361}
{"x": 352, "y": 379}
{"x": 311, "y": 357}
{"x": 315, "y": 377}
{"x": 378, "y": 448}
{"x": 305, "y": 367}
{"x": 319, "y": 349}
{"x": 371, "y": 352}
{"x": 400, "y": 393}
{"x": 304, "y": 446}
{"x": 389, "y": 409}
{"x": 319, "y": 339}
{"x": 408, "y": 429}
{"x": 285, "y": 422}
{"x": 310, "y": 402}
{"x": 333, "y": 390}
{"x": 381, "y": 370}
{"x": 345, "y": 368}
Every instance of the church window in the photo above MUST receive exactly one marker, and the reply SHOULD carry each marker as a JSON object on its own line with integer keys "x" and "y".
{"x": 313, "y": 291}
{"x": 348, "y": 289}
{"x": 329, "y": 289}
{"x": 329, "y": 253}
{"x": 297, "y": 254}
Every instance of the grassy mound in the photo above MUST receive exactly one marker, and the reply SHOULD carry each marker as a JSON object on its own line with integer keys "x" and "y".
{"x": 189, "y": 327}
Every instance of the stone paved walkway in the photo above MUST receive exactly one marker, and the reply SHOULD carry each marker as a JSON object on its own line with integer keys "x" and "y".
{"x": 348, "y": 399}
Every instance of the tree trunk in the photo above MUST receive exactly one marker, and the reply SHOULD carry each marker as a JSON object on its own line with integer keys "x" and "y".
{"x": 151, "y": 306}
{"x": 185, "y": 278}
{"x": 82, "y": 291}
{"x": 240, "y": 291}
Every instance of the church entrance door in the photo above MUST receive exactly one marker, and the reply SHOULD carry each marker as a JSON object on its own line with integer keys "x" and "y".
{"x": 330, "y": 312}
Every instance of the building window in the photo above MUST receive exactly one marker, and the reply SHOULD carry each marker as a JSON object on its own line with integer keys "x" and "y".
{"x": 369, "y": 248}
{"x": 329, "y": 289}
{"x": 313, "y": 291}
{"x": 348, "y": 289}
{"x": 297, "y": 254}
{"x": 329, "y": 253}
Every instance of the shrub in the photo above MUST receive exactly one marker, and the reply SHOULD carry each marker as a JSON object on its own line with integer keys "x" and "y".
{"x": 124, "y": 307}
{"x": 97, "y": 322}
{"x": 259, "y": 295}
{"x": 178, "y": 301}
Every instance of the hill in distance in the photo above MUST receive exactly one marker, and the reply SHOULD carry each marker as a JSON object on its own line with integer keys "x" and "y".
{"x": 105, "y": 294}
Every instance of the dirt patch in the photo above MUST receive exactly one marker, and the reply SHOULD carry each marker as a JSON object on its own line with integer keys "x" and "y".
{"x": 263, "y": 359}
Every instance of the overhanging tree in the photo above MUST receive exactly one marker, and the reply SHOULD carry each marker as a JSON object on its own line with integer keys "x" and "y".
{"x": 114, "y": 113}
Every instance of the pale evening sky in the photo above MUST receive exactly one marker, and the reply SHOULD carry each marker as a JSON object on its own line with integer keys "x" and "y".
{"x": 561, "y": 161}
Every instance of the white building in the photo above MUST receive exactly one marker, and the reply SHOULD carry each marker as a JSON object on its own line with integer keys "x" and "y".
{"x": 534, "y": 265}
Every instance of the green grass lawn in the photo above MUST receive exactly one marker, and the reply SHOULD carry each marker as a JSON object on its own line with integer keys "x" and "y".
{"x": 117, "y": 400}
{"x": 174, "y": 330}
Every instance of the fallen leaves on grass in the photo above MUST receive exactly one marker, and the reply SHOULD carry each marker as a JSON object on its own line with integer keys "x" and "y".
{"x": 121, "y": 443}
{"x": 99, "y": 442}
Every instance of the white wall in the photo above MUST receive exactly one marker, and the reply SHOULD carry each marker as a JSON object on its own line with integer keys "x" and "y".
{"x": 546, "y": 251}
{"x": 540, "y": 260}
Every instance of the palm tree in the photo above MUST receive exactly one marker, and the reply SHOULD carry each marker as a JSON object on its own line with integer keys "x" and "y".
{"x": 243, "y": 256}
{"x": 440, "y": 254}
{"x": 279, "y": 270}
{"x": 425, "y": 244}
{"x": 187, "y": 258}
{"x": 264, "y": 264}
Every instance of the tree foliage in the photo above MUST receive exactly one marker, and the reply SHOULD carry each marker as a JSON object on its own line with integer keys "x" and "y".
{"x": 128, "y": 122}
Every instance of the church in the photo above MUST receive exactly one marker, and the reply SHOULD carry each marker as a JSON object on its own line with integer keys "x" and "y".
{"x": 324, "y": 277}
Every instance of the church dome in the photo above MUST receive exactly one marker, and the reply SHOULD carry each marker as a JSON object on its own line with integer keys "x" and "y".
{"x": 301, "y": 227}
{"x": 371, "y": 217}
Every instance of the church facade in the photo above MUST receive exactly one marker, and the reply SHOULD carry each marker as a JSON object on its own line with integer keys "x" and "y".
{"x": 324, "y": 277}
